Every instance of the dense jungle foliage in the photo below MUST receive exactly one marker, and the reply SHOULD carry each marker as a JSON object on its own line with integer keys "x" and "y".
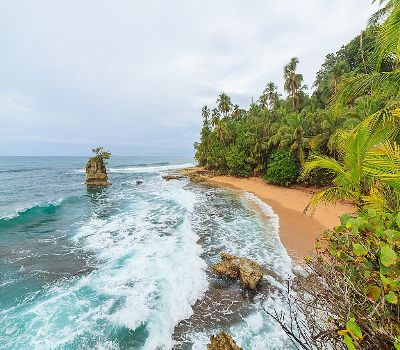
{"x": 346, "y": 133}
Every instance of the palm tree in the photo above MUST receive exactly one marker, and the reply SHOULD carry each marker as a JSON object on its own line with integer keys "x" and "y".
{"x": 272, "y": 96}
{"x": 358, "y": 174}
{"x": 293, "y": 81}
{"x": 215, "y": 117}
{"x": 263, "y": 101}
{"x": 205, "y": 112}
{"x": 292, "y": 134}
{"x": 337, "y": 71}
{"x": 388, "y": 48}
{"x": 224, "y": 104}
{"x": 237, "y": 112}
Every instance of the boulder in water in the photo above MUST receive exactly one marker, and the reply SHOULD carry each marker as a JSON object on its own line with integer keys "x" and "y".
{"x": 96, "y": 173}
{"x": 247, "y": 271}
{"x": 223, "y": 341}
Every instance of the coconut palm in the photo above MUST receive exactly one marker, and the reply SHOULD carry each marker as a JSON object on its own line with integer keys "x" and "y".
{"x": 357, "y": 173}
{"x": 205, "y": 113}
{"x": 272, "y": 95}
{"x": 224, "y": 104}
{"x": 292, "y": 134}
{"x": 215, "y": 117}
{"x": 293, "y": 81}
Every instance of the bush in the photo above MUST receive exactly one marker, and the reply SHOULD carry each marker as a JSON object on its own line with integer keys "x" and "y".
{"x": 236, "y": 162}
{"x": 317, "y": 177}
{"x": 282, "y": 168}
{"x": 350, "y": 297}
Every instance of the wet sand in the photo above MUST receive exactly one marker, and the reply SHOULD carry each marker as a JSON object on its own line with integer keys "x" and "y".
{"x": 298, "y": 231}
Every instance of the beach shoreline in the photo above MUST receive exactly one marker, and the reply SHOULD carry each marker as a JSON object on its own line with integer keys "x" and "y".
{"x": 298, "y": 231}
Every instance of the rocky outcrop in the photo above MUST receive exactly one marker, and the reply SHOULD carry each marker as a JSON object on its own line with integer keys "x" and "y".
{"x": 96, "y": 173}
{"x": 247, "y": 271}
{"x": 222, "y": 341}
{"x": 172, "y": 177}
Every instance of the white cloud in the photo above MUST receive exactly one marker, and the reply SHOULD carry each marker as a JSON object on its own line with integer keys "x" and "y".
{"x": 131, "y": 74}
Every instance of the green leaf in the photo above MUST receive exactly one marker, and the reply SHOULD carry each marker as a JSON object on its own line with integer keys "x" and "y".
{"x": 373, "y": 293}
{"x": 391, "y": 297}
{"x": 344, "y": 218}
{"x": 371, "y": 213}
{"x": 397, "y": 345}
{"x": 358, "y": 249}
{"x": 388, "y": 256}
{"x": 398, "y": 219}
{"x": 349, "y": 342}
{"x": 392, "y": 235}
{"x": 353, "y": 328}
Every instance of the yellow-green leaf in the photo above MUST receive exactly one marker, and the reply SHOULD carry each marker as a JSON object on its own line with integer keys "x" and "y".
{"x": 353, "y": 328}
{"x": 342, "y": 332}
{"x": 358, "y": 249}
{"x": 373, "y": 293}
{"x": 349, "y": 342}
{"x": 391, "y": 297}
{"x": 388, "y": 256}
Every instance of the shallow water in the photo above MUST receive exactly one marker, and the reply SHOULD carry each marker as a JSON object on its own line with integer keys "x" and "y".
{"x": 127, "y": 267}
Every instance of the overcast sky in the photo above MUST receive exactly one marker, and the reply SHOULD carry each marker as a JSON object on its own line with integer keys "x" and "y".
{"x": 133, "y": 75}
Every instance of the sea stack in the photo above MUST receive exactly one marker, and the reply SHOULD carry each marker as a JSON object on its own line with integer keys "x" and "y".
{"x": 96, "y": 172}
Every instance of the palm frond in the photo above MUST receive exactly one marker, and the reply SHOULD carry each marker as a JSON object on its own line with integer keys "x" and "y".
{"x": 330, "y": 195}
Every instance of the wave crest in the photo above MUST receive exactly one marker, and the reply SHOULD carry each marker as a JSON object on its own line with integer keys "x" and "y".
{"x": 30, "y": 213}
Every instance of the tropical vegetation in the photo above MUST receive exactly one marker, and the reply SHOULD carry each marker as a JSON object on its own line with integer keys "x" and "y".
{"x": 344, "y": 133}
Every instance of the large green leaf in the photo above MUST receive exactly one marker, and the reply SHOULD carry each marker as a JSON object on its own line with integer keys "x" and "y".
{"x": 388, "y": 256}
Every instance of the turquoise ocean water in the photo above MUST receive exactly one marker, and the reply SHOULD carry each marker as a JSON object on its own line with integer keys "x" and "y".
{"x": 128, "y": 266}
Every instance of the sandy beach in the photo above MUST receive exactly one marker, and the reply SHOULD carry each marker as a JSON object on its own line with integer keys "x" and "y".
{"x": 298, "y": 231}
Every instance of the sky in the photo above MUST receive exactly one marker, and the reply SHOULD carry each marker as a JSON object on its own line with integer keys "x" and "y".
{"x": 133, "y": 76}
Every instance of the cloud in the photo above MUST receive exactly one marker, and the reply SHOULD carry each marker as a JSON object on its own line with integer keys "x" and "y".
{"x": 133, "y": 75}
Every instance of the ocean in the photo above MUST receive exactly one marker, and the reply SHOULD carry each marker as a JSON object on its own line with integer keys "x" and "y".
{"x": 128, "y": 266}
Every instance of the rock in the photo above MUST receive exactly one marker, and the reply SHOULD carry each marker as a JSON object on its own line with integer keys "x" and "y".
{"x": 96, "y": 173}
{"x": 138, "y": 182}
{"x": 247, "y": 271}
{"x": 172, "y": 177}
{"x": 222, "y": 341}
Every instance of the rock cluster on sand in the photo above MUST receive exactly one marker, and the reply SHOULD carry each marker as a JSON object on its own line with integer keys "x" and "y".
{"x": 247, "y": 271}
{"x": 172, "y": 177}
{"x": 96, "y": 173}
{"x": 222, "y": 341}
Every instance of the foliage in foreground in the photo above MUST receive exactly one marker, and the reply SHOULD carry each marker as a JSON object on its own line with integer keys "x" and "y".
{"x": 351, "y": 295}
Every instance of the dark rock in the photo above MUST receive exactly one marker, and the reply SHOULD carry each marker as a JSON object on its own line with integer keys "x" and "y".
{"x": 223, "y": 341}
{"x": 247, "y": 271}
{"x": 138, "y": 182}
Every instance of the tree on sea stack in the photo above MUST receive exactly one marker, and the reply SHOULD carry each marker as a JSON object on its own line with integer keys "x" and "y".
{"x": 96, "y": 173}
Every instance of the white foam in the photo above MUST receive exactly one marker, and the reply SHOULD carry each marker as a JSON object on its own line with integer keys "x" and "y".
{"x": 284, "y": 263}
{"x": 150, "y": 169}
{"x": 149, "y": 273}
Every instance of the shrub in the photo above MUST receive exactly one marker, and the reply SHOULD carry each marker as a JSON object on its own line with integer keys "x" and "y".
{"x": 350, "y": 297}
{"x": 317, "y": 177}
{"x": 236, "y": 162}
{"x": 282, "y": 168}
